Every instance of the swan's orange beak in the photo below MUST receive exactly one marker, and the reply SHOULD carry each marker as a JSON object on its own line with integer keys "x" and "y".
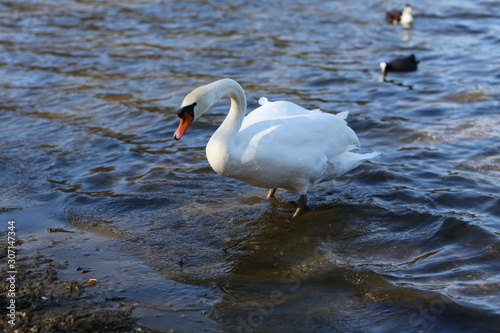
{"x": 186, "y": 119}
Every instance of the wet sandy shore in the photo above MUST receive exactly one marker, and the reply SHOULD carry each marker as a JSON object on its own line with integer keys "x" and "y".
{"x": 73, "y": 280}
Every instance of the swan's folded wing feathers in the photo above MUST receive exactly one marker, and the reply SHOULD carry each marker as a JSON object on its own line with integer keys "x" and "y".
{"x": 343, "y": 114}
{"x": 272, "y": 110}
{"x": 300, "y": 136}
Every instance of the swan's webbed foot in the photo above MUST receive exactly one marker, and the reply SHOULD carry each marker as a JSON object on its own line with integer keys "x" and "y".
{"x": 271, "y": 192}
{"x": 301, "y": 205}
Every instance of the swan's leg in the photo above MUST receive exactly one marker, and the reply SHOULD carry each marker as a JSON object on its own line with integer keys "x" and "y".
{"x": 271, "y": 192}
{"x": 301, "y": 204}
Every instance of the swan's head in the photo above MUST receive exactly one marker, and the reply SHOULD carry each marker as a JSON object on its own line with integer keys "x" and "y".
{"x": 202, "y": 98}
{"x": 187, "y": 115}
{"x": 194, "y": 105}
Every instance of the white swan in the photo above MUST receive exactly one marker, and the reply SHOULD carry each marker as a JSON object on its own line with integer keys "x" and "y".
{"x": 278, "y": 145}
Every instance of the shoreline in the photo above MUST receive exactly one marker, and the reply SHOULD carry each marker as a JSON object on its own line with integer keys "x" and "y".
{"x": 74, "y": 279}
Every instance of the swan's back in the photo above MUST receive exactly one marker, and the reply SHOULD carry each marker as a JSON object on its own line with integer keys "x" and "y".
{"x": 292, "y": 126}
{"x": 284, "y": 145}
{"x": 274, "y": 110}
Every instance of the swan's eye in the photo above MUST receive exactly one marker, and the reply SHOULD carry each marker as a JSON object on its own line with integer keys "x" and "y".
{"x": 189, "y": 109}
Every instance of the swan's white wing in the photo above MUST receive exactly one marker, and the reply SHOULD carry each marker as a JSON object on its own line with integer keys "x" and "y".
{"x": 290, "y": 128}
{"x": 296, "y": 136}
{"x": 273, "y": 110}
{"x": 289, "y": 146}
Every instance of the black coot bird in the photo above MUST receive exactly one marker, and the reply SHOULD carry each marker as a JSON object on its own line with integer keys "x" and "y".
{"x": 403, "y": 64}
{"x": 405, "y": 18}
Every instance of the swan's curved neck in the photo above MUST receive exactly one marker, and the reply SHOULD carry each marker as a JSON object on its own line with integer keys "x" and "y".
{"x": 222, "y": 148}
{"x": 232, "y": 124}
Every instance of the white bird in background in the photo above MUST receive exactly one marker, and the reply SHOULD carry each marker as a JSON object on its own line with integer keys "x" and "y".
{"x": 405, "y": 17}
{"x": 278, "y": 145}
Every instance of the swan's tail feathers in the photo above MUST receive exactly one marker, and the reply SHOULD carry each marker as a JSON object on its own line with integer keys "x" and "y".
{"x": 348, "y": 161}
{"x": 365, "y": 157}
{"x": 356, "y": 158}
{"x": 369, "y": 156}
{"x": 352, "y": 147}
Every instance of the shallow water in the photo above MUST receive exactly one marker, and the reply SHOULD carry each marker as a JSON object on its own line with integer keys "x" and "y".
{"x": 409, "y": 241}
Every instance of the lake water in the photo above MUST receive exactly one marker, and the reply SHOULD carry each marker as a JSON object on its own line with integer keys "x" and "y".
{"x": 408, "y": 242}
